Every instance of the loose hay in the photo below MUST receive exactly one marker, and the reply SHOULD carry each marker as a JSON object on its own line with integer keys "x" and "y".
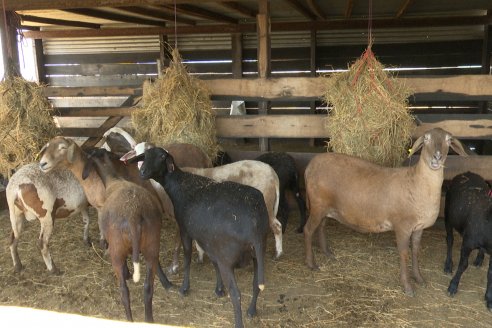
{"x": 26, "y": 123}
{"x": 369, "y": 118}
{"x": 176, "y": 109}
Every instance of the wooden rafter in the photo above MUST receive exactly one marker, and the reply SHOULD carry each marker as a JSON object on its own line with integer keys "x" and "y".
{"x": 316, "y": 9}
{"x": 276, "y": 26}
{"x": 156, "y": 12}
{"x": 97, "y": 13}
{"x": 404, "y": 6}
{"x": 14, "y": 5}
{"x": 350, "y": 7}
{"x": 239, "y": 8}
{"x": 301, "y": 9}
{"x": 52, "y": 21}
{"x": 202, "y": 13}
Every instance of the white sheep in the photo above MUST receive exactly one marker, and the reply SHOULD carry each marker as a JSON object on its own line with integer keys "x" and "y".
{"x": 371, "y": 198}
{"x": 32, "y": 194}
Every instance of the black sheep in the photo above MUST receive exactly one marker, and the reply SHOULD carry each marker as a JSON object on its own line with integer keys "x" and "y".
{"x": 468, "y": 210}
{"x": 227, "y": 219}
{"x": 285, "y": 167}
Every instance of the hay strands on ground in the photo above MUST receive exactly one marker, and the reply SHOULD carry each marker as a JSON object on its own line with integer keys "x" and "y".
{"x": 369, "y": 118}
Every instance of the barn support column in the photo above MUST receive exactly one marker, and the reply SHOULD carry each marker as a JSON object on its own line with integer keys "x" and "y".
{"x": 312, "y": 103}
{"x": 10, "y": 50}
{"x": 237, "y": 63}
{"x": 264, "y": 55}
{"x": 164, "y": 55}
{"x": 486, "y": 58}
{"x": 39, "y": 53}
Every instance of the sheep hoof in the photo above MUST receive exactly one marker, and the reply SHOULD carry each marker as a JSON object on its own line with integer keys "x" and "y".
{"x": 220, "y": 292}
{"x": 88, "y": 242}
{"x": 251, "y": 313}
{"x": 410, "y": 292}
{"x": 173, "y": 269}
{"x": 183, "y": 292}
{"x": 451, "y": 292}
{"x": 55, "y": 271}
{"x": 313, "y": 267}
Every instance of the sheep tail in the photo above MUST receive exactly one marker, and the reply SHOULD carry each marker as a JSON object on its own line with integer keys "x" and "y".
{"x": 136, "y": 232}
{"x": 260, "y": 260}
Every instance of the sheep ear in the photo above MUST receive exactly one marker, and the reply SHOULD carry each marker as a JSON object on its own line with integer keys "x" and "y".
{"x": 170, "y": 163}
{"x": 416, "y": 146}
{"x": 41, "y": 152}
{"x": 457, "y": 146}
{"x": 87, "y": 169}
{"x": 136, "y": 159}
{"x": 71, "y": 152}
{"x": 131, "y": 154}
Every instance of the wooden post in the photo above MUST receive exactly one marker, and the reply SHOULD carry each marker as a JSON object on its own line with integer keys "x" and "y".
{"x": 164, "y": 55}
{"x": 313, "y": 74}
{"x": 264, "y": 51}
{"x": 237, "y": 55}
{"x": 486, "y": 56}
{"x": 40, "y": 70}
{"x": 10, "y": 50}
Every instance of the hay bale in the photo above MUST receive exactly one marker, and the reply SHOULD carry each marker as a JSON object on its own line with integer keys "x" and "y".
{"x": 26, "y": 122}
{"x": 176, "y": 109}
{"x": 369, "y": 118}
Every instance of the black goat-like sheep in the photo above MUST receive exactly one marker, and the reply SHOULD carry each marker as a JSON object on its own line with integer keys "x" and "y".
{"x": 227, "y": 219}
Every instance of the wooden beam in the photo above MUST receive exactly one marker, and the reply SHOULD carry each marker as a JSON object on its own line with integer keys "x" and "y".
{"x": 157, "y": 12}
{"x": 237, "y": 55}
{"x": 97, "y": 13}
{"x": 276, "y": 26}
{"x": 8, "y": 35}
{"x": 316, "y": 9}
{"x": 62, "y": 22}
{"x": 404, "y": 6}
{"x": 301, "y": 9}
{"x": 239, "y": 8}
{"x": 64, "y": 4}
{"x": 92, "y": 111}
{"x": 52, "y": 92}
{"x": 202, "y": 13}
{"x": 350, "y": 7}
{"x": 39, "y": 59}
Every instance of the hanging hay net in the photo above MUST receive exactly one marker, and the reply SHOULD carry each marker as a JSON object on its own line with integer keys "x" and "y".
{"x": 26, "y": 122}
{"x": 369, "y": 118}
{"x": 176, "y": 109}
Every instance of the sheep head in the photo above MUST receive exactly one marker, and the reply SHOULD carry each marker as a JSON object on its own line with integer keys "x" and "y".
{"x": 435, "y": 145}
{"x": 58, "y": 152}
{"x": 157, "y": 162}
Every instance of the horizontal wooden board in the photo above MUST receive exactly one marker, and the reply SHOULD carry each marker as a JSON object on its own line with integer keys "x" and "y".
{"x": 98, "y": 81}
{"x": 102, "y": 69}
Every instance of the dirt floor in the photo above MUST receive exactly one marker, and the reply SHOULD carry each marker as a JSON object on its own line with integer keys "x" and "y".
{"x": 358, "y": 289}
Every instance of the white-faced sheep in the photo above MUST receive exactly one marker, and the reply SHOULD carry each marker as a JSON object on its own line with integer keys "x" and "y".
{"x": 371, "y": 198}
{"x": 31, "y": 194}
{"x": 468, "y": 209}
{"x": 227, "y": 219}
{"x": 131, "y": 223}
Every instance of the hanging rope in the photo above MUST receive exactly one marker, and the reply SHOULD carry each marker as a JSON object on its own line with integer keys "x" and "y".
{"x": 175, "y": 27}
{"x": 369, "y": 26}
{"x": 7, "y": 34}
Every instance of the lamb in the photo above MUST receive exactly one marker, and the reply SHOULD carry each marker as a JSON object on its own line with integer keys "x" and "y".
{"x": 285, "y": 167}
{"x": 65, "y": 153}
{"x": 229, "y": 220}
{"x": 371, "y": 198}
{"x": 31, "y": 194}
{"x": 131, "y": 223}
{"x": 257, "y": 175}
{"x": 468, "y": 209}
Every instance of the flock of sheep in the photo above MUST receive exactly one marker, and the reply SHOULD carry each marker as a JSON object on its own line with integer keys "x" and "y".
{"x": 228, "y": 209}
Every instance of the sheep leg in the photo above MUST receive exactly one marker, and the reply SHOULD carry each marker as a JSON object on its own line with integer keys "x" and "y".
{"x": 187, "y": 243}
{"x": 283, "y": 211}
{"x": 488, "y": 293}
{"x": 17, "y": 221}
{"x": 200, "y": 252}
{"x": 149, "y": 291}
{"x": 322, "y": 239}
{"x": 173, "y": 269}
{"x": 416, "y": 238}
{"x": 302, "y": 212}
{"x": 310, "y": 227}
{"x": 103, "y": 244}
{"x": 44, "y": 238}
{"x": 227, "y": 273}
{"x": 256, "y": 290}
{"x": 402, "y": 242}
{"x": 480, "y": 256}
{"x": 119, "y": 270}
{"x": 448, "y": 264}
{"x": 163, "y": 278}
{"x": 276, "y": 227}
{"x": 85, "y": 218}
{"x": 219, "y": 286}
{"x": 462, "y": 266}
